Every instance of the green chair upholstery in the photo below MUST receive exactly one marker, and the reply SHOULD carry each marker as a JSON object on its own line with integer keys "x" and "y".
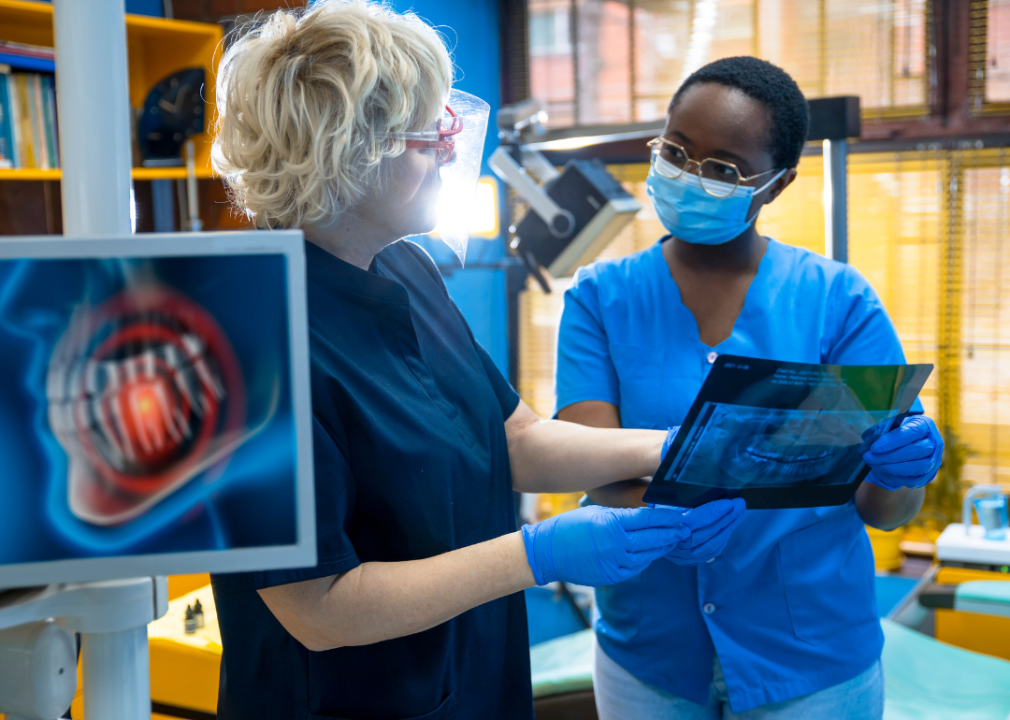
{"x": 563, "y": 678}
{"x": 563, "y": 665}
{"x": 928, "y": 680}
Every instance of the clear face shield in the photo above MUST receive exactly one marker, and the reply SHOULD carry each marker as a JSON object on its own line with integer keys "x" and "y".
{"x": 458, "y": 142}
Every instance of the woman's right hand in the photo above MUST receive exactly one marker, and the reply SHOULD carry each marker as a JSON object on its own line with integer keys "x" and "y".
{"x": 711, "y": 527}
{"x": 601, "y": 546}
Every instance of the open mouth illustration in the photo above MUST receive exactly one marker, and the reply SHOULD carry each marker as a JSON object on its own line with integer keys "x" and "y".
{"x": 144, "y": 393}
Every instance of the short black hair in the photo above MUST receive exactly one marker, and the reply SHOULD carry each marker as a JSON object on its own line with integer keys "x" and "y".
{"x": 774, "y": 88}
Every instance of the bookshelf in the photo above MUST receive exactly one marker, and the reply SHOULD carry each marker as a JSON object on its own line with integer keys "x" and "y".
{"x": 203, "y": 172}
{"x": 155, "y": 48}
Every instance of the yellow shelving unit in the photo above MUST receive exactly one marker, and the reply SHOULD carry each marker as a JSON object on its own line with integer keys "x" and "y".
{"x": 139, "y": 173}
{"x": 155, "y": 48}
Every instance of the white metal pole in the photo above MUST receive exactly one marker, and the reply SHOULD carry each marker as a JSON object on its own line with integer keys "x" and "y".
{"x": 836, "y": 202}
{"x": 94, "y": 116}
{"x": 116, "y": 674}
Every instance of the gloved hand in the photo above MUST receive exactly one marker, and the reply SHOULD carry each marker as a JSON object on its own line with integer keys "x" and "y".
{"x": 601, "y": 546}
{"x": 907, "y": 456}
{"x": 711, "y": 524}
{"x": 671, "y": 434}
{"x": 711, "y": 527}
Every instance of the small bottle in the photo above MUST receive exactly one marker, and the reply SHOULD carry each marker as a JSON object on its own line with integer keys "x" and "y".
{"x": 190, "y": 625}
{"x": 198, "y": 613}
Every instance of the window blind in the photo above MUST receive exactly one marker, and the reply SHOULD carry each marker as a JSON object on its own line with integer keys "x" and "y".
{"x": 985, "y": 324}
{"x": 610, "y": 61}
{"x": 990, "y": 50}
{"x": 895, "y": 228}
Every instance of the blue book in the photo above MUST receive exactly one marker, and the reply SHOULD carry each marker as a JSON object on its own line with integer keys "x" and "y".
{"x": 52, "y": 133}
{"x": 21, "y": 62}
{"x": 6, "y": 129}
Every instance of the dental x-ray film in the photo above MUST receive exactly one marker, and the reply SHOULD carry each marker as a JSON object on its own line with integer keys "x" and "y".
{"x": 147, "y": 406}
{"x": 783, "y": 435}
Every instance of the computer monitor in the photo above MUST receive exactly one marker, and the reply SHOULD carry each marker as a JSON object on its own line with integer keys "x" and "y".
{"x": 154, "y": 406}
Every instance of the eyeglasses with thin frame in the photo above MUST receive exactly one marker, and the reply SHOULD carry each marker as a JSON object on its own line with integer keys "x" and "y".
{"x": 718, "y": 178}
{"x": 441, "y": 140}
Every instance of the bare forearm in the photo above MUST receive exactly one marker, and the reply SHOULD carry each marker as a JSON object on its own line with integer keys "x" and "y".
{"x": 887, "y": 509}
{"x": 556, "y": 456}
{"x": 380, "y": 601}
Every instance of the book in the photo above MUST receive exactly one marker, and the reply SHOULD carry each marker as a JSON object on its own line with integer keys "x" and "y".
{"x": 26, "y": 140}
{"x": 6, "y": 136}
{"x": 26, "y": 50}
{"x": 38, "y": 146}
{"x": 53, "y": 123}
{"x": 28, "y": 57}
{"x": 15, "y": 121}
{"x": 39, "y": 121}
{"x": 22, "y": 62}
{"x": 29, "y": 135}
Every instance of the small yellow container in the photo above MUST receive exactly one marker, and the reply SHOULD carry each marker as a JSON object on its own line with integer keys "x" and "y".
{"x": 887, "y": 553}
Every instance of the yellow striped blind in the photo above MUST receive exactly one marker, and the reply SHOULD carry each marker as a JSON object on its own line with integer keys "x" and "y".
{"x": 985, "y": 323}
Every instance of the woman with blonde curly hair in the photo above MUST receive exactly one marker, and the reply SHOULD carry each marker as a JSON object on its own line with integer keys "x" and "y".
{"x": 413, "y": 610}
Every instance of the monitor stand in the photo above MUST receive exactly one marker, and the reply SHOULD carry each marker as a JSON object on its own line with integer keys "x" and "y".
{"x": 112, "y": 619}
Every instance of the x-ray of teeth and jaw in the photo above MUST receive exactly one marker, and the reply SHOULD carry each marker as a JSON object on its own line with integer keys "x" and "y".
{"x": 783, "y": 434}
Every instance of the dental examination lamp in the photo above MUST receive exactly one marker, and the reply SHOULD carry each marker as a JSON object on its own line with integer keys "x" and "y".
{"x": 573, "y": 214}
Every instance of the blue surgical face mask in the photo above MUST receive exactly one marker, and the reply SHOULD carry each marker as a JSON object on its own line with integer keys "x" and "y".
{"x": 692, "y": 215}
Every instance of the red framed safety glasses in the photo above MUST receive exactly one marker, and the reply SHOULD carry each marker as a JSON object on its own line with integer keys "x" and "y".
{"x": 442, "y": 140}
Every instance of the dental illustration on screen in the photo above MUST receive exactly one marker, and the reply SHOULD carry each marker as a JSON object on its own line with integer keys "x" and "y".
{"x": 147, "y": 380}
{"x": 144, "y": 393}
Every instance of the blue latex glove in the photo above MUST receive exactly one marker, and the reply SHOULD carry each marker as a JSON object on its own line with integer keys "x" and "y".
{"x": 907, "y": 456}
{"x": 671, "y": 433}
{"x": 711, "y": 524}
{"x": 711, "y": 527}
{"x": 601, "y": 546}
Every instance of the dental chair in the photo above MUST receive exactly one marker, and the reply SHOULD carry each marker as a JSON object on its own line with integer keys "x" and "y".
{"x": 929, "y": 680}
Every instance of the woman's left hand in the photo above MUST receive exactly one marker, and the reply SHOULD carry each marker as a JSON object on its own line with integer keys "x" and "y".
{"x": 907, "y": 456}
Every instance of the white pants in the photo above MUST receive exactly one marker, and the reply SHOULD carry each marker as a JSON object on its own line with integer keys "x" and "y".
{"x": 622, "y": 696}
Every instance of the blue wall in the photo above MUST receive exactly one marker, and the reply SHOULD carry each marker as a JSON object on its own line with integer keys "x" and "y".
{"x": 470, "y": 28}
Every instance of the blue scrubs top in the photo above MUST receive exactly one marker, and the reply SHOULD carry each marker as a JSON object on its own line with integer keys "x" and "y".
{"x": 411, "y": 461}
{"x": 789, "y": 605}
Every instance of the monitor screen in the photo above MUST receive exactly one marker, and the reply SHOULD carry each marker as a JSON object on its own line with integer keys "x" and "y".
{"x": 154, "y": 410}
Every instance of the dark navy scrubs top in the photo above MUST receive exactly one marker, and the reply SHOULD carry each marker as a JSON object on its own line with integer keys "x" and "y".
{"x": 411, "y": 461}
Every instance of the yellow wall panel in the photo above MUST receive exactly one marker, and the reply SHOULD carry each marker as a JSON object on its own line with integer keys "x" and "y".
{"x": 797, "y": 215}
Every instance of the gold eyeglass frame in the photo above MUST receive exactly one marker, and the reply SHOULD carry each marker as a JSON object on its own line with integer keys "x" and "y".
{"x": 656, "y": 143}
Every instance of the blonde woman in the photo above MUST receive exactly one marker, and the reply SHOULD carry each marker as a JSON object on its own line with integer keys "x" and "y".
{"x": 413, "y": 609}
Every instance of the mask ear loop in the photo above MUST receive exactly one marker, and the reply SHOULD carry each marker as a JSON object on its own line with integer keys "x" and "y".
{"x": 761, "y": 190}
